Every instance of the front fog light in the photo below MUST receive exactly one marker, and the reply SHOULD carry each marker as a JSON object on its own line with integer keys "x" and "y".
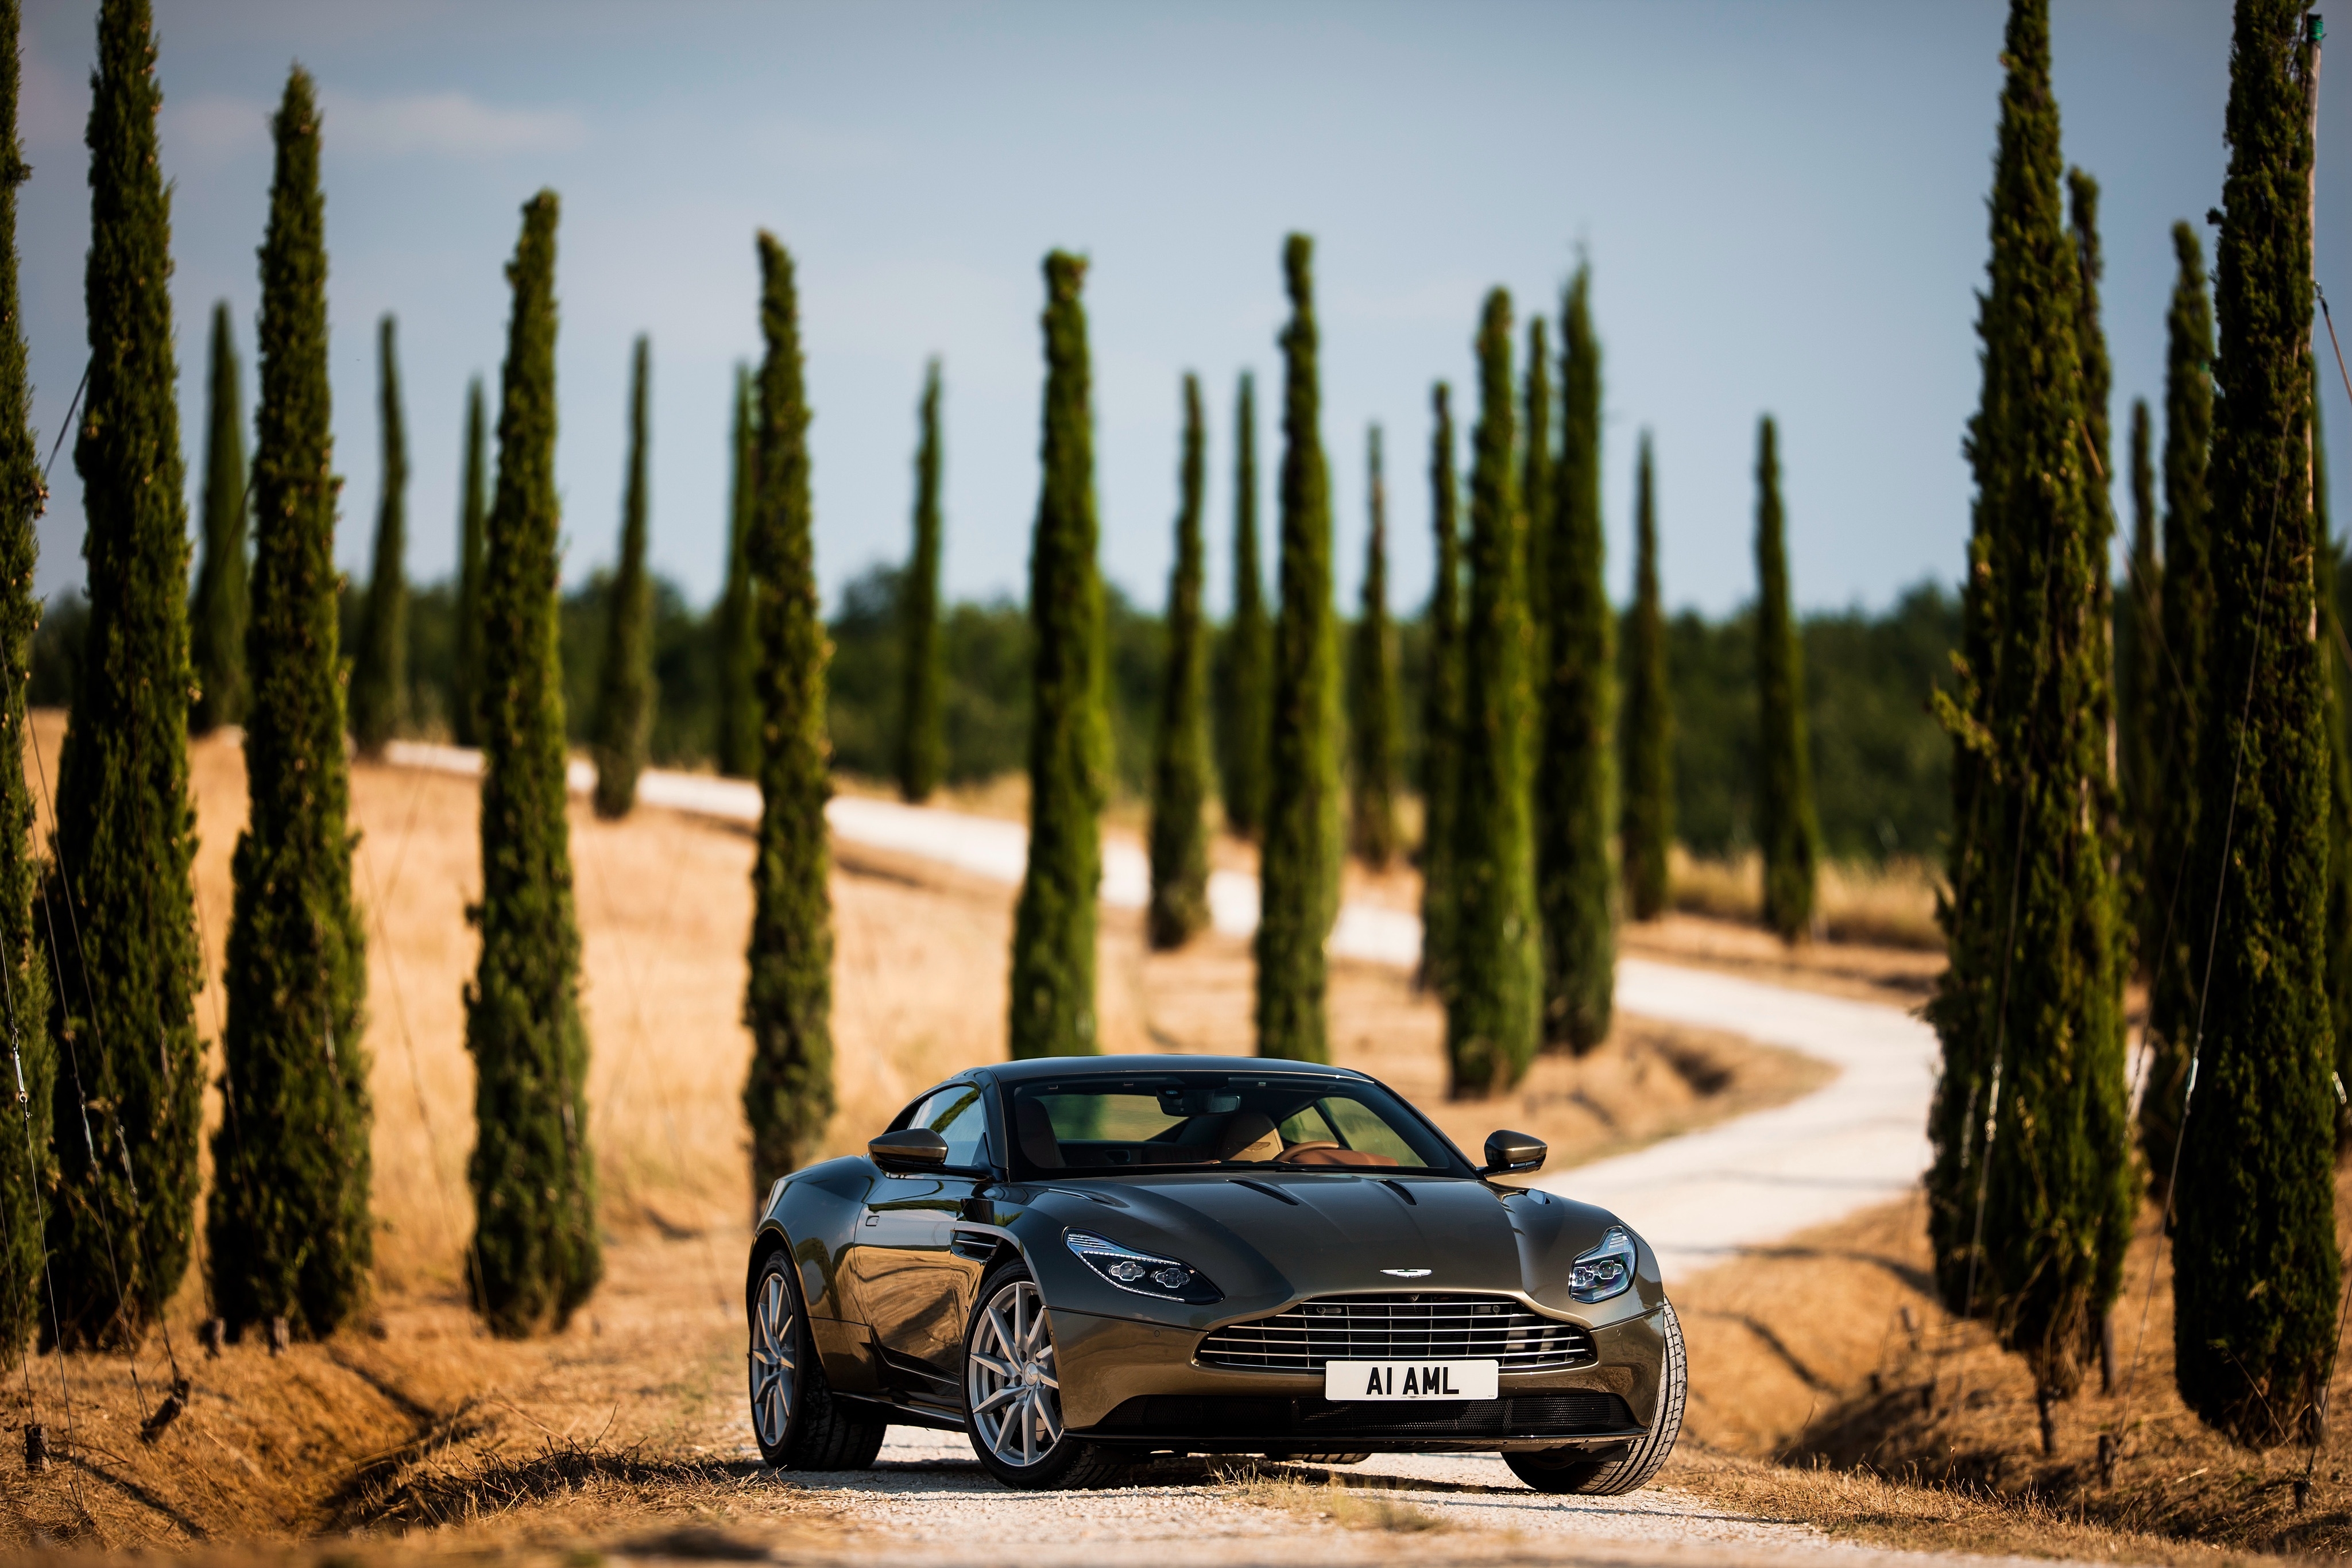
{"x": 1143, "y": 1273}
{"x": 1607, "y": 1270}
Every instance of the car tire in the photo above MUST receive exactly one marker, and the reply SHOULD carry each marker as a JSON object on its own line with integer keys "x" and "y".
{"x": 1012, "y": 1407}
{"x": 798, "y": 1422}
{"x": 1569, "y": 1471}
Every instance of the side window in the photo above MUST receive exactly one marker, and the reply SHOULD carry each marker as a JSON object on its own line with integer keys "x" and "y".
{"x": 958, "y": 1114}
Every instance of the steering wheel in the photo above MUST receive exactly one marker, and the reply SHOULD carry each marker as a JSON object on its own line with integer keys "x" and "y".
{"x": 1312, "y": 1147}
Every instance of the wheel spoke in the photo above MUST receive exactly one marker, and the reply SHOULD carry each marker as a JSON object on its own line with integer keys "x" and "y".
{"x": 1001, "y": 1368}
{"x": 1009, "y": 1391}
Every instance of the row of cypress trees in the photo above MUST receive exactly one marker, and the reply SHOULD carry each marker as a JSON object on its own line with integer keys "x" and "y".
{"x": 2212, "y": 853}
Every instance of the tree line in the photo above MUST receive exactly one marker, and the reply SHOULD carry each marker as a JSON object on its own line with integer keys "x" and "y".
{"x": 2172, "y": 802}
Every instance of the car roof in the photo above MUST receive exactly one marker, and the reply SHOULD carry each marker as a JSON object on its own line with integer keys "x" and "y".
{"x": 1129, "y": 1066}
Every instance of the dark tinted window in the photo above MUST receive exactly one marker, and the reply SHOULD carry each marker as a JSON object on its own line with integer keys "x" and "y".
{"x": 1220, "y": 1121}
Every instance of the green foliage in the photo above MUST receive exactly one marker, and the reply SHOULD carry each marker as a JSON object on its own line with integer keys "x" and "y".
{"x": 25, "y": 1165}
{"x": 1373, "y": 694}
{"x": 380, "y": 664}
{"x": 1785, "y": 830}
{"x": 1575, "y": 770}
{"x": 2173, "y": 941}
{"x": 1299, "y": 868}
{"x": 737, "y": 740}
{"x": 1180, "y": 780}
{"x": 1646, "y": 729}
{"x": 2030, "y": 1220}
{"x": 129, "y": 1102}
{"x": 1495, "y": 989}
{"x": 472, "y": 510}
{"x": 1052, "y": 982}
{"x": 1245, "y": 713}
{"x": 788, "y": 1003}
{"x": 624, "y": 694}
{"x": 536, "y": 1254}
{"x": 1442, "y": 697}
{"x": 288, "y": 1224}
{"x": 217, "y": 621}
{"x": 1537, "y": 460}
{"x": 2141, "y": 672}
{"x": 923, "y": 743}
{"x": 2256, "y": 1198}
{"x": 1880, "y": 764}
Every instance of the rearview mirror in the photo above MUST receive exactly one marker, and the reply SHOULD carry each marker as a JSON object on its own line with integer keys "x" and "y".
{"x": 908, "y": 1148}
{"x": 1509, "y": 1154}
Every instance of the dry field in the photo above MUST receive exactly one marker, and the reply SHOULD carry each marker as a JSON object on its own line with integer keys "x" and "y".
{"x": 632, "y": 1416}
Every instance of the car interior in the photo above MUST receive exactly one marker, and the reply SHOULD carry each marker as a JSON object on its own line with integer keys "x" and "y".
{"x": 1195, "y": 1126}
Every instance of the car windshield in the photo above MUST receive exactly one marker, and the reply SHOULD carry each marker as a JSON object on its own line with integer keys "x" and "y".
{"x": 1221, "y": 1121}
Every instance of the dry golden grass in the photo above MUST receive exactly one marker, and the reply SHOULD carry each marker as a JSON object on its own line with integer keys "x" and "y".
{"x": 1827, "y": 1385}
{"x": 1890, "y": 905}
{"x": 629, "y": 1420}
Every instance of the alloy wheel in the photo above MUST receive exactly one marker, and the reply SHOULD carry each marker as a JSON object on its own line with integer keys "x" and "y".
{"x": 1008, "y": 1382}
{"x": 773, "y": 1365}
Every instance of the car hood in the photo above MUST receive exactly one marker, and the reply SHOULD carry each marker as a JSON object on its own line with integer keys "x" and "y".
{"x": 1278, "y": 1235}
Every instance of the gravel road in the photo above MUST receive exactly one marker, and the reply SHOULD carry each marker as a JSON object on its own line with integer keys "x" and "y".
{"x": 927, "y": 1500}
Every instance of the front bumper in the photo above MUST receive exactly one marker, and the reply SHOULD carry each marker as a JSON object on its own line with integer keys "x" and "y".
{"x": 1133, "y": 1382}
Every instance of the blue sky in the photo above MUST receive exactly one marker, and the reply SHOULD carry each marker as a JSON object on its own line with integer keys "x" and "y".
{"x": 1783, "y": 205}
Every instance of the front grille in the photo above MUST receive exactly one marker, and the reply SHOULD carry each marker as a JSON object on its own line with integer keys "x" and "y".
{"x": 1400, "y": 1326}
{"x": 1249, "y": 1421}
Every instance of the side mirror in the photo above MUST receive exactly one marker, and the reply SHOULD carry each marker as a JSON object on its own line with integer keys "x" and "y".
{"x": 1509, "y": 1154}
{"x": 908, "y": 1148}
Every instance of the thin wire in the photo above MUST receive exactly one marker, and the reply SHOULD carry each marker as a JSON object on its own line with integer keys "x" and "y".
{"x": 376, "y": 903}
{"x": 71, "y": 408}
{"x": 2204, "y": 988}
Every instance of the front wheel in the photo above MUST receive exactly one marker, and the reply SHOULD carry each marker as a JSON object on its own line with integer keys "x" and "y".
{"x": 799, "y": 1423}
{"x": 1568, "y": 1471}
{"x": 1012, "y": 1393}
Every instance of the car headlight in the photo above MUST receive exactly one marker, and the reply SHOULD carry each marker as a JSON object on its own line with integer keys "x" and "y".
{"x": 1144, "y": 1273}
{"x": 1607, "y": 1270}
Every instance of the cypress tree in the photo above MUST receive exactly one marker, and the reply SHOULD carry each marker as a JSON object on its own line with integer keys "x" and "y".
{"x": 1647, "y": 732}
{"x": 288, "y": 1225}
{"x": 473, "y": 511}
{"x": 380, "y": 669}
{"x": 217, "y": 624}
{"x": 1574, "y": 767}
{"x": 2140, "y": 674}
{"x": 128, "y": 1102}
{"x": 1244, "y": 719}
{"x": 2174, "y": 937}
{"x": 788, "y": 1003}
{"x": 24, "y": 983}
{"x": 2256, "y": 1199}
{"x": 1785, "y": 826}
{"x": 922, "y": 733}
{"x": 739, "y": 705}
{"x": 1371, "y": 693}
{"x": 624, "y": 694}
{"x": 1053, "y": 926}
{"x": 1299, "y": 869}
{"x": 1495, "y": 989}
{"x": 537, "y": 1253}
{"x": 1536, "y": 467}
{"x": 1179, "y": 773}
{"x": 2031, "y": 1014}
{"x": 1440, "y": 710}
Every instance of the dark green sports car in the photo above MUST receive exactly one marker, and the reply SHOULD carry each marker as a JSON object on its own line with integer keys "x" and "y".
{"x": 1083, "y": 1262}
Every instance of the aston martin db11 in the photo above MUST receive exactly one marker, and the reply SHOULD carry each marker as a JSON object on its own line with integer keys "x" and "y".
{"x": 1082, "y": 1262}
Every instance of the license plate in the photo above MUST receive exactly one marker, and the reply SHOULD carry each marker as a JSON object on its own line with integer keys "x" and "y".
{"x": 1410, "y": 1379}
